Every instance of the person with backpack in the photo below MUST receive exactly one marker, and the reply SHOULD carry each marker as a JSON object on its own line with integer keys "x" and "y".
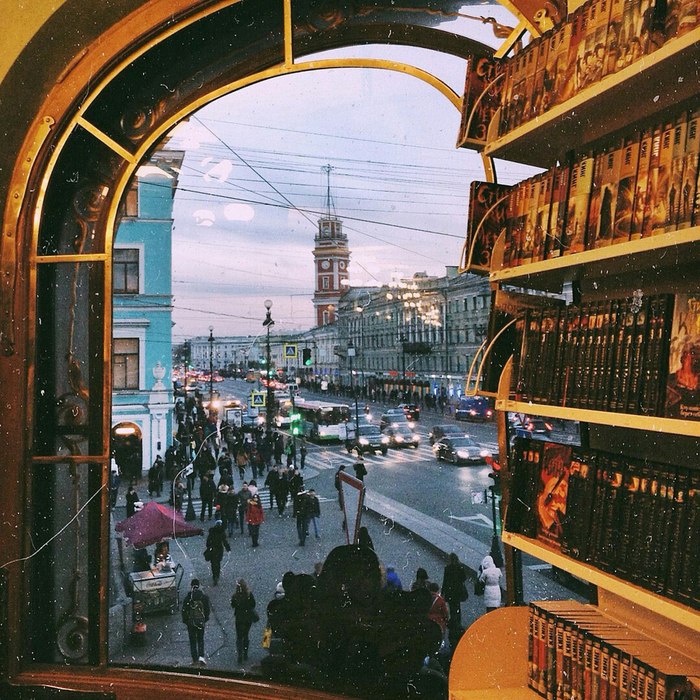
{"x": 195, "y": 614}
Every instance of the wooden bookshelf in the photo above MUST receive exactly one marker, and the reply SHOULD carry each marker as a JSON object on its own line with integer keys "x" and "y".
{"x": 659, "y": 81}
{"x": 662, "y": 252}
{"x": 641, "y": 597}
{"x": 619, "y": 420}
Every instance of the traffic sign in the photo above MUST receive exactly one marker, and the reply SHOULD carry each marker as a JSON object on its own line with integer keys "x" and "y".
{"x": 258, "y": 399}
{"x": 290, "y": 351}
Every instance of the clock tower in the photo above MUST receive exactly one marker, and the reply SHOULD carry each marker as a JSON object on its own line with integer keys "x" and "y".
{"x": 331, "y": 260}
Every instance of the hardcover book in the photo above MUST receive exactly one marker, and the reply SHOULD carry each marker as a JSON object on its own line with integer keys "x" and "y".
{"x": 683, "y": 383}
{"x": 487, "y": 219}
{"x": 482, "y": 97}
{"x": 640, "y": 193}
{"x": 629, "y": 164}
{"x": 552, "y": 490}
{"x": 690, "y": 171}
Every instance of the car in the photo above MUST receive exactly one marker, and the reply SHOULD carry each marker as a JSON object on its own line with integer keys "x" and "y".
{"x": 526, "y": 426}
{"x": 401, "y": 436}
{"x": 395, "y": 417}
{"x": 411, "y": 410}
{"x": 447, "y": 430}
{"x": 474, "y": 408}
{"x": 460, "y": 450}
{"x": 369, "y": 439}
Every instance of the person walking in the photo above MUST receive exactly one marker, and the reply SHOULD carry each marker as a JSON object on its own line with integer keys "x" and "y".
{"x": 301, "y": 506}
{"x": 490, "y": 576}
{"x": 229, "y": 511}
{"x": 241, "y": 461}
{"x": 244, "y": 496}
{"x": 314, "y": 511}
{"x": 422, "y": 579}
{"x": 438, "y": 609}
{"x": 282, "y": 490}
{"x": 454, "y": 589}
{"x": 156, "y": 474}
{"x": 195, "y": 614}
{"x": 302, "y": 453}
{"x": 132, "y": 498}
{"x": 243, "y": 604}
{"x": 255, "y": 516}
{"x": 272, "y": 482}
{"x": 207, "y": 491}
{"x": 296, "y": 486}
{"x": 341, "y": 468}
{"x": 360, "y": 469}
{"x": 216, "y": 543}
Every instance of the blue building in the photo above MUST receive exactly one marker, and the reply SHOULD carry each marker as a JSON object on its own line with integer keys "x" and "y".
{"x": 142, "y": 396}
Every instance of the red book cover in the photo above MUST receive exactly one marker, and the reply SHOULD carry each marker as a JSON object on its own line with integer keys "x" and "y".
{"x": 553, "y": 486}
{"x": 683, "y": 383}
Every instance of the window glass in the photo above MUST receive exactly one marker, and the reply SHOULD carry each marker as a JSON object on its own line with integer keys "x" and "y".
{"x": 125, "y": 271}
{"x": 125, "y": 367}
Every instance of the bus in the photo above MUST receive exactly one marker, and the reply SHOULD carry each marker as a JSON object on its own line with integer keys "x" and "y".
{"x": 323, "y": 421}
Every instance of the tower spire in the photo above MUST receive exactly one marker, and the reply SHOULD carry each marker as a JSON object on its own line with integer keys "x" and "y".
{"x": 330, "y": 204}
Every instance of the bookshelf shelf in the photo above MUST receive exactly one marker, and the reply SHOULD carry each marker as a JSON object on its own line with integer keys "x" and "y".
{"x": 633, "y": 95}
{"x": 664, "y": 251}
{"x": 617, "y": 420}
{"x": 671, "y": 610}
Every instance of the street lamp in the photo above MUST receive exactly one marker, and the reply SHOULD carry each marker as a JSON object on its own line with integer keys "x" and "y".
{"x": 268, "y": 323}
{"x": 351, "y": 354}
{"x": 360, "y": 308}
{"x": 211, "y": 366}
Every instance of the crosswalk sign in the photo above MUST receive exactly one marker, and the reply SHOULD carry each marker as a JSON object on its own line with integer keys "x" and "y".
{"x": 257, "y": 399}
{"x": 290, "y": 351}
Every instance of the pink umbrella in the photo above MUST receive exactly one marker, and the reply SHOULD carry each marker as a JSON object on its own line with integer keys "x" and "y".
{"x": 153, "y": 523}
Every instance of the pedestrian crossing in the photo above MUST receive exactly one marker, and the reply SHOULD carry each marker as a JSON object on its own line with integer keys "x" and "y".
{"x": 327, "y": 457}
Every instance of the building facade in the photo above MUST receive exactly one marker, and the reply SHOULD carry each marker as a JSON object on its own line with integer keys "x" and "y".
{"x": 423, "y": 332}
{"x": 142, "y": 396}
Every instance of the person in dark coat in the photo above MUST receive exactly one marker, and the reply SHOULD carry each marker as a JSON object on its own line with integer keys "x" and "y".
{"x": 131, "y": 499}
{"x": 301, "y": 506}
{"x": 272, "y": 482}
{"x": 216, "y": 543}
{"x": 229, "y": 511}
{"x": 195, "y": 614}
{"x": 244, "y": 496}
{"x": 422, "y": 579}
{"x": 278, "y": 448}
{"x": 156, "y": 475}
{"x": 454, "y": 589}
{"x": 243, "y": 604}
{"x": 207, "y": 491}
{"x": 296, "y": 486}
{"x": 282, "y": 490}
{"x": 360, "y": 469}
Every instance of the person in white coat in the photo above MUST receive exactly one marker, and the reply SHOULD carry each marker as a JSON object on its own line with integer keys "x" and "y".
{"x": 490, "y": 576}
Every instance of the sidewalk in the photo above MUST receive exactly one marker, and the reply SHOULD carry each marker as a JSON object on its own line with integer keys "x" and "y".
{"x": 402, "y": 536}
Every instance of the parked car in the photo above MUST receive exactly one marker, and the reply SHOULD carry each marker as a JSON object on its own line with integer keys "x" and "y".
{"x": 447, "y": 430}
{"x": 369, "y": 439}
{"x": 395, "y": 417}
{"x": 460, "y": 450}
{"x": 401, "y": 436}
{"x": 474, "y": 408}
{"x": 411, "y": 410}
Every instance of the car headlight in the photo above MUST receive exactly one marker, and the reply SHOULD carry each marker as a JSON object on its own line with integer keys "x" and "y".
{"x": 462, "y": 454}
{"x": 385, "y": 440}
{"x": 399, "y": 438}
{"x": 485, "y": 453}
{"x": 364, "y": 441}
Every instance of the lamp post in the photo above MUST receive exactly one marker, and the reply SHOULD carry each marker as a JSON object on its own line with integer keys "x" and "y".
{"x": 351, "y": 354}
{"x": 360, "y": 309}
{"x": 268, "y": 323}
{"x": 211, "y": 366}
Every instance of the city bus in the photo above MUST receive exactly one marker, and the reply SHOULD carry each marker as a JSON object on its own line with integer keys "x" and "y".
{"x": 323, "y": 421}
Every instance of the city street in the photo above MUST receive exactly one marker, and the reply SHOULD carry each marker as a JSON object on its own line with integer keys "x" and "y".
{"x": 411, "y": 476}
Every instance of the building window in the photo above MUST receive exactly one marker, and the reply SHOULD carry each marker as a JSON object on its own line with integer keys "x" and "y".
{"x": 325, "y": 283}
{"x": 125, "y": 363}
{"x": 125, "y": 271}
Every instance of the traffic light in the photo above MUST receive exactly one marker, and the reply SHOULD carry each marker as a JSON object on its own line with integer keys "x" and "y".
{"x": 495, "y": 474}
{"x": 306, "y": 356}
{"x": 295, "y": 423}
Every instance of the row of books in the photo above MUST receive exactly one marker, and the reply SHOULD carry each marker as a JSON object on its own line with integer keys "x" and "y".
{"x": 610, "y": 355}
{"x": 636, "y": 520}
{"x": 597, "y": 39}
{"x": 645, "y": 185}
{"x": 575, "y": 651}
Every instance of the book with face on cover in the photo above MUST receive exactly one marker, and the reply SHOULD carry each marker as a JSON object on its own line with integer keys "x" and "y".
{"x": 683, "y": 382}
{"x": 552, "y": 491}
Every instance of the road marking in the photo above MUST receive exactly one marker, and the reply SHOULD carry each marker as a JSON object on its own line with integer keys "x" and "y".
{"x": 480, "y": 519}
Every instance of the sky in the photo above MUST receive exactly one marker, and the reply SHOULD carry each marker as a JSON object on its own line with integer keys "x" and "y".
{"x": 253, "y": 186}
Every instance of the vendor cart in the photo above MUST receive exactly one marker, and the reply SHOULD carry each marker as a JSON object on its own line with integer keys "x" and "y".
{"x": 155, "y": 591}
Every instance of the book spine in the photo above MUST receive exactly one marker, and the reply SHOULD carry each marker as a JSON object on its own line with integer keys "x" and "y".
{"x": 652, "y": 182}
{"x": 661, "y": 203}
{"x": 604, "y": 391}
{"x": 673, "y": 553}
{"x": 655, "y": 399}
{"x": 690, "y": 171}
{"x": 636, "y": 369}
{"x": 624, "y": 206}
{"x": 578, "y": 206}
{"x": 623, "y": 351}
{"x": 614, "y": 680}
{"x": 588, "y": 365}
{"x": 689, "y": 559}
{"x": 640, "y": 194}
{"x": 532, "y": 648}
{"x": 680, "y": 132}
